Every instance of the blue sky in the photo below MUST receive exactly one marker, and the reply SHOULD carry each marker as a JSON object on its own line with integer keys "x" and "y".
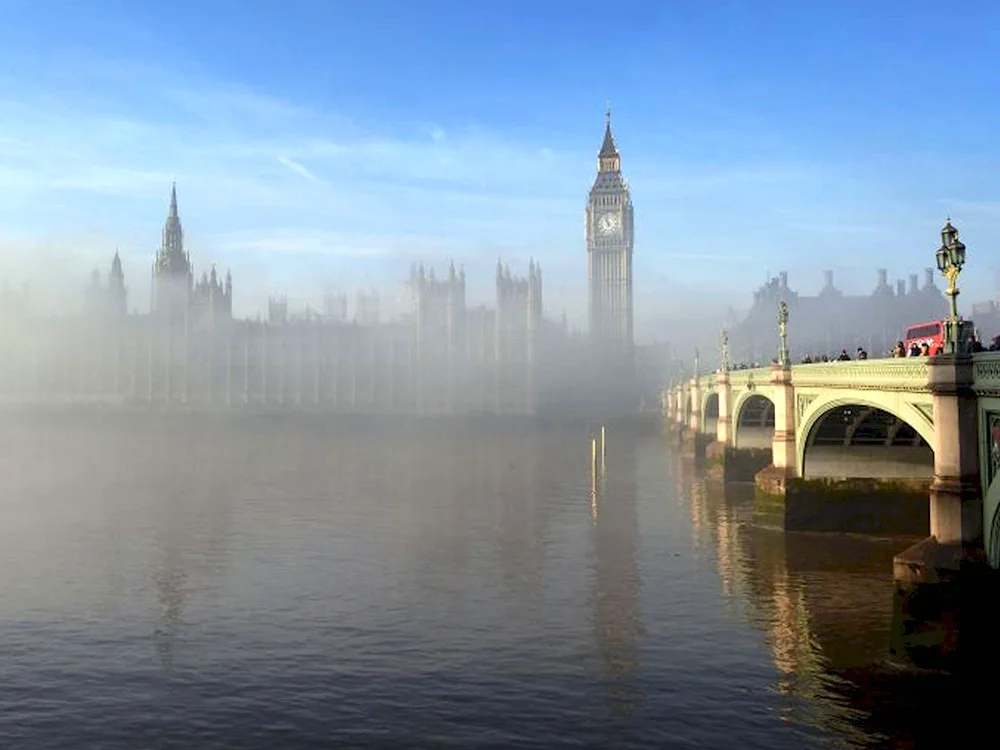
{"x": 324, "y": 143}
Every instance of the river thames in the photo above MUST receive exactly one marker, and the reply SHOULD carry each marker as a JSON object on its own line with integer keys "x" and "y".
{"x": 263, "y": 582}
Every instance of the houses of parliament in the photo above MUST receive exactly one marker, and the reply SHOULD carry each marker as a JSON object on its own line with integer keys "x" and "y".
{"x": 444, "y": 357}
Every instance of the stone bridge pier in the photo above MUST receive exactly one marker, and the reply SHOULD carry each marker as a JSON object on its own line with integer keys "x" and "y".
{"x": 728, "y": 459}
{"x": 956, "y": 537}
{"x": 693, "y": 437}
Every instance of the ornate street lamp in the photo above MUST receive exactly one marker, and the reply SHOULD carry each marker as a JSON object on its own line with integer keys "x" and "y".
{"x": 783, "y": 355}
{"x": 950, "y": 258}
{"x": 725, "y": 350}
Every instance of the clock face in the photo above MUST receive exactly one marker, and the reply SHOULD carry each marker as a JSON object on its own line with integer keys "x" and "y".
{"x": 608, "y": 223}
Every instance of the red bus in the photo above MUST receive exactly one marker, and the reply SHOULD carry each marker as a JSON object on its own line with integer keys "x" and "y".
{"x": 932, "y": 334}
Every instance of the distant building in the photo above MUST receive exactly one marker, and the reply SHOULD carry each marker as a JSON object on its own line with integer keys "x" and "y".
{"x": 986, "y": 317}
{"x": 107, "y": 300}
{"x": 832, "y": 321}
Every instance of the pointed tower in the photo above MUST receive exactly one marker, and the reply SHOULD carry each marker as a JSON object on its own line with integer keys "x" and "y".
{"x": 117, "y": 294}
{"x": 172, "y": 269}
{"x": 171, "y": 256}
{"x": 228, "y": 292}
{"x": 609, "y": 251}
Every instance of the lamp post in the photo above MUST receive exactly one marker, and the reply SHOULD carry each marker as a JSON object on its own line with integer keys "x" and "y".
{"x": 950, "y": 259}
{"x": 725, "y": 350}
{"x": 783, "y": 355}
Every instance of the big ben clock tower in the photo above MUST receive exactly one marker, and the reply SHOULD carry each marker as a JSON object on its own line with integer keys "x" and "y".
{"x": 609, "y": 252}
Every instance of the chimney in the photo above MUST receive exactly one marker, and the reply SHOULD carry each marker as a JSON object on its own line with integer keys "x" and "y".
{"x": 883, "y": 278}
{"x": 913, "y": 283}
{"x": 900, "y": 287}
{"x": 928, "y": 278}
{"x": 828, "y": 279}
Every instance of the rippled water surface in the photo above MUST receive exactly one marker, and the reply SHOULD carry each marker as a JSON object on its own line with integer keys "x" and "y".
{"x": 262, "y": 583}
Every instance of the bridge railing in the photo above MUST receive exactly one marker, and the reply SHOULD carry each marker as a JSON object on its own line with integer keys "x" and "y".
{"x": 739, "y": 378}
{"x": 986, "y": 372}
{"x": 907, "y": 373}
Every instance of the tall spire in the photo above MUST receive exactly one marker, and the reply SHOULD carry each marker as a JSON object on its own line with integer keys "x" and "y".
{"x": 171, "y": 257}
{"x": 173, "y": 201}
{"x": 608, "y": 148}
{"x": 116, "y": 277}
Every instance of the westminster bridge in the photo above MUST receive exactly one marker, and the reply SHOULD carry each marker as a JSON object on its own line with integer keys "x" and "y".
{"x": 840, "y": 446}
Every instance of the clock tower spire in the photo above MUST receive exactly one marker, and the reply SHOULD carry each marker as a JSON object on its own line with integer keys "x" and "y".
{"x": 608, "y": 230}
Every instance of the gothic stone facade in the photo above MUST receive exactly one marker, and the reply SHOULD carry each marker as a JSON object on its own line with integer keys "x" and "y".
{"x": 443, "y": 359}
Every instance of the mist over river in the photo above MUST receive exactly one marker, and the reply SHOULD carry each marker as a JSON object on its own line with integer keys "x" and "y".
{"x": 299, "y": 582}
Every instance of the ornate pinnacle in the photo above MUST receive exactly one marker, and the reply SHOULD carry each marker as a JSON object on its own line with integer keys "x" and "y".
{"x": 725, "y": 350}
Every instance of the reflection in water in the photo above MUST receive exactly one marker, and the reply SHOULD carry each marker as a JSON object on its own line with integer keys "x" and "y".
{"x": 825, "y": 605}
{"x": 170, "y": 596}
{"x": 191, "y": 527}
{"x": 615, "y": 540}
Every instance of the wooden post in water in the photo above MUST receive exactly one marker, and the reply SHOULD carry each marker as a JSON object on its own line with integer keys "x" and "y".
{"x": 593, "y": 460}
{"x": 593, "y": 479}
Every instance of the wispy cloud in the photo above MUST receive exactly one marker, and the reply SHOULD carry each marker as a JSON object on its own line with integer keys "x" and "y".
{"x": 299, "y": 169}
